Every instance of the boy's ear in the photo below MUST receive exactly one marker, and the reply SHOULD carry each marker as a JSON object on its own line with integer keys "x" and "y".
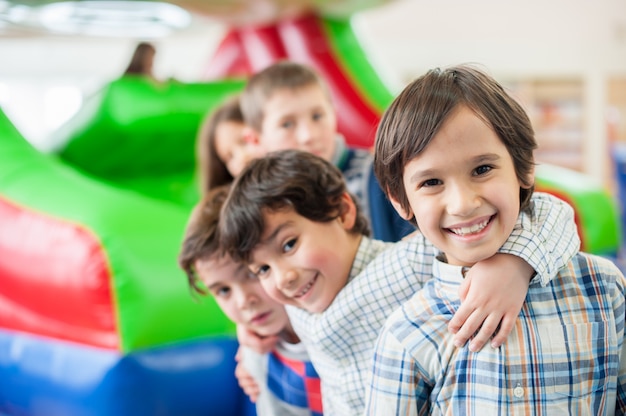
{"x": 251, "y": 136}
{"x": 398, "y": 207}
{"x": 349, "y": 215}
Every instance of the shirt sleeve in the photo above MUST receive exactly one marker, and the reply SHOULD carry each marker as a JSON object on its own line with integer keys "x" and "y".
{"x": 394, "y": 387}
{"x": 256, "y": 364}
{"x": 619, "y": 309}
{"x": 546, "y": 237}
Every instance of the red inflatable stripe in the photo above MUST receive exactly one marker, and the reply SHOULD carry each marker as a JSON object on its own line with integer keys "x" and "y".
{"x": 229, "y": 59}
{"x": 262, "y": 46}
{"x": 54, "y": 279}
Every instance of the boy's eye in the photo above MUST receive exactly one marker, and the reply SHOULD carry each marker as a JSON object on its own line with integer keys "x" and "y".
{"x": 317, "y": 116}
{"x": 261, "y": 271}
{"x": 222, "y": 292}
{"x": 288, "y": 246}
{"x": 431, "y": 182}
{"x": 483, "y": 169}
{"x": 287, "y": 124}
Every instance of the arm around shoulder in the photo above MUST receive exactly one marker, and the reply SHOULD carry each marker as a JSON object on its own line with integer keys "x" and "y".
{"x": 546, "y": 238}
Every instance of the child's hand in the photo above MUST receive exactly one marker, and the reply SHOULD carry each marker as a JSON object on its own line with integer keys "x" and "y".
{"x": 251, "y": 339}
{"x": 245, "y": 380}
{"x": 492, "y": 294}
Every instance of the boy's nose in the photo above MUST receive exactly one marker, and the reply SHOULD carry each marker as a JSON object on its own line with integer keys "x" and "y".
{"x": 246, "y": 299}
{"x": 462, "y": 200}
{"x": 306, "y": 133}
{"x": 287, "y": 280}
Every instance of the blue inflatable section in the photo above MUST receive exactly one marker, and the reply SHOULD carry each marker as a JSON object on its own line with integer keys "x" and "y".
{"x": 44, "y": 377}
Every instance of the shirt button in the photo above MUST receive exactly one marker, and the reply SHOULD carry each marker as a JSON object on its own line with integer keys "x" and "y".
{"x": 518, "y": 392}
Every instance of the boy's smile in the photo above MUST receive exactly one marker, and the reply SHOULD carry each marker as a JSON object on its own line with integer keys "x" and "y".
{"x": 300, "y": 294}
{"x": 260, "y": 318}
{"x": 472, "y": 228}
{"x": 463, "y": 189}
{"x": 302, "y": 262}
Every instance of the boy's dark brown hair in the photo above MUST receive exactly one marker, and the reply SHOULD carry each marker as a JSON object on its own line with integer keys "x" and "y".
{"x": 283, "y": 180}
{"x": 201, "y": 238}
{"x": 421, "y": 109}
{"x": 282, "y": 75}
{"x": 213, "y": 171}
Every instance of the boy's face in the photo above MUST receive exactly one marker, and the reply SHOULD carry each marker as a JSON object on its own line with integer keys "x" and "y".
{"x": 305, "y": 263}
{"x": 232, "y": 148}
{"x": 463, "y": 190}
{"x": 241, "y": 296}
{"x": 300, "y": 119}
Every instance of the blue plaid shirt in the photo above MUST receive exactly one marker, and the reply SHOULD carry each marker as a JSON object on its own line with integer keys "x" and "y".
{"x": 562, "y": 357}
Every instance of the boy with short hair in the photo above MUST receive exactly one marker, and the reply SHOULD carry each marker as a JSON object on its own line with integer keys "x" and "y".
{"x": 289, "y": 385}
{"x": 463, "y": 151}
{"x": 288, "y": 106}
{"x": 290, "y": 218}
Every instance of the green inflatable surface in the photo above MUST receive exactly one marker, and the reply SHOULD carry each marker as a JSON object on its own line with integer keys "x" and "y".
{"x": 140, "y": 135}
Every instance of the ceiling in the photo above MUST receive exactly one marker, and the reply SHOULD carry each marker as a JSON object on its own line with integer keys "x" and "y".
{"x": 152, "y": 19}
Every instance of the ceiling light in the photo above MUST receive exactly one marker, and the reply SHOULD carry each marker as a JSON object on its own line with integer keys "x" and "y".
{"x": 145, "y": 19}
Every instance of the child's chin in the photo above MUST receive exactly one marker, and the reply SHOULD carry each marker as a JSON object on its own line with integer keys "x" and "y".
{"x": 265, "y": 332}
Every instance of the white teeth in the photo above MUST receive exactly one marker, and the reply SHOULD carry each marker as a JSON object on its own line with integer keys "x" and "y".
{"x": 470, "y": 230}
{"x": 305, "y": 289}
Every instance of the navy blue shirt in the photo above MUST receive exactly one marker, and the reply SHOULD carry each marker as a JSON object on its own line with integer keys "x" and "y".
{"x": 357, "y": 166}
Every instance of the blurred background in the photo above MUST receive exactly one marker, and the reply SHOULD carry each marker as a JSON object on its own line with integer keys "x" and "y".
{"x": 95, "y": 315}
{"x": 565, "y": 59}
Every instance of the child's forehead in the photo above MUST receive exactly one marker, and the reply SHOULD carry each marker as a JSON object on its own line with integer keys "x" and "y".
{"x": 221, "y": 269}
{"x": 278, "y": 217}
{"x": 276, "y": 221}
{"x": 274, "y": 210}
{"x": 290, "y": 91}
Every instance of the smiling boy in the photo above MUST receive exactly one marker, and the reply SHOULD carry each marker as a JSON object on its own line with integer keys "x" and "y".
{"x": 288, "y": 383}
{"x": 463, "y": 149}
{"x": 288, "y": 106}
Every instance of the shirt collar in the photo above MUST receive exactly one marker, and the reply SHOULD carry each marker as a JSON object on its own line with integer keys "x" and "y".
{"x": 449, "y": 276}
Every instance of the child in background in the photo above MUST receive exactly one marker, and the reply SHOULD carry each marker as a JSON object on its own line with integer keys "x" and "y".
{"x": 142, "y": 61}
{"x": 290, "y": 217}
{"x": 222, "y": 149}
{"x": 288, "y": 382}
{"x": 463, "y": 149}
{"x": 288, "y": 106}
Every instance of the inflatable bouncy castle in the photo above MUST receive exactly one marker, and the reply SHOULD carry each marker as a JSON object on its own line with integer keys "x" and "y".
{"x": 95, "y": 316}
